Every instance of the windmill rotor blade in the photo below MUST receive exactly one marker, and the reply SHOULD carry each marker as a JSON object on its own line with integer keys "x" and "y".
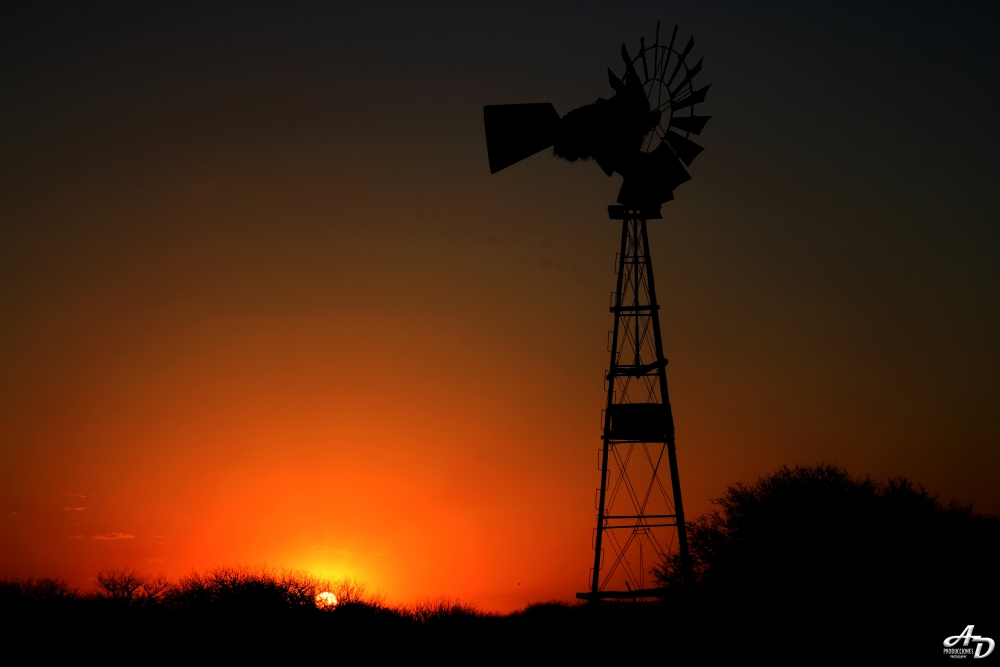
{"x": 697, "y": 97}
{"x": 517, "y": 131}
{"x": 661, "y": 68}
{"x": 692, "y": 124}
{"x": 686, "y": 149}
{"x": 668, "y": 170}
{"x": 651, "y": 178}
{"x": 690, "y": 75}
{"x": 629, "y": 69}
{"x": 606, "y": 165}
{"x": 642, "y": 54}
{"x": 615, "y": 82}
{"x": 680, "y": 60}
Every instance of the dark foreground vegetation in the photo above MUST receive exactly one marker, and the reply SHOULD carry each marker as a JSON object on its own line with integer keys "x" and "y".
{"x": 804, "y": 565}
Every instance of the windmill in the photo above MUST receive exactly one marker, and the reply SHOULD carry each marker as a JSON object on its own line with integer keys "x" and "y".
{"x": 642, "y": 132}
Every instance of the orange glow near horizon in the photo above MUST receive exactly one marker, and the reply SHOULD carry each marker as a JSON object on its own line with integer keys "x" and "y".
{"x": 374, "y": 410}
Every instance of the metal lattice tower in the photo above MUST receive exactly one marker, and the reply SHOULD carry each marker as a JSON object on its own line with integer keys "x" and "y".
{"x": 640, "y": 521}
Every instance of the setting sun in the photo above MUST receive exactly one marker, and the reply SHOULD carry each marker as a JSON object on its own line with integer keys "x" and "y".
{"x": 326, "y": 600}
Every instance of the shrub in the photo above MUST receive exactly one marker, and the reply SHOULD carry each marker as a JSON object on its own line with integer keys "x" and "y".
{"x": 442, "y": 609}
{"x": 350, "y": 591}
{"x": 128, "y": 587}
{"x": 816, "y": 536}
{"x": 246, "y": 590}
{"x": 35, "y": 593}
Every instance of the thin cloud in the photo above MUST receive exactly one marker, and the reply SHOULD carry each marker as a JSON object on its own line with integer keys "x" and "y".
{"x": 154, "y": 560}
{"x": 114, "y": 536}
{"x": 325, "y": 549}
{"x": 8, "y": 514}
{"x": 76, "y": 537}
{"x": 74, "y": 509}
{"x": 74, "y": 495}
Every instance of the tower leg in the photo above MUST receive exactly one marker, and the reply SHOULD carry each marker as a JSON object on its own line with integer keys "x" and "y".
{"x": 675, "y": 478}
{"x": 598, "y": 538}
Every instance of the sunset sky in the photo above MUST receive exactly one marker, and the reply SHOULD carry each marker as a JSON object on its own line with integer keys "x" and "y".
{"x": 262, "y": 302}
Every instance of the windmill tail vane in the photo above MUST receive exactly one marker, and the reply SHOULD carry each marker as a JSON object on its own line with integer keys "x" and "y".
{"x": 642, "y": 132}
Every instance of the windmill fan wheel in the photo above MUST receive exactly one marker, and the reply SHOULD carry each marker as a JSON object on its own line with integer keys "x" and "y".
{"x": 668, "y": 81}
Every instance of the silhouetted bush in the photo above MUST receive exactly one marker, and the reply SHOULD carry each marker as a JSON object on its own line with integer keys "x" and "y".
{"x": 127, "y": 587}
{"x": 440, "y": 610}
{"x": 23, "y": 594}
{"x": 244, "y": 590}
{"x": 813, "y": 546}
{"x": 351, "y": 592}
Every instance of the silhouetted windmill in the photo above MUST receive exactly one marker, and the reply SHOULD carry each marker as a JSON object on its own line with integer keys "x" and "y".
{"x": 643, "y": 133}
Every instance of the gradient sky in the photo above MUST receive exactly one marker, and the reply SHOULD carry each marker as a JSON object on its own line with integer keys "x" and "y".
{"x": 262, "y": 302}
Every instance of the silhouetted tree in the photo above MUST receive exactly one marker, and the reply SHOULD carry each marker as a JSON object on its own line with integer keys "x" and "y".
{"x": 129, "y": 587}
{"x": 815, "y": 538}
{"x": 245, "y": 590}
{"x": 36, "y": 593}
